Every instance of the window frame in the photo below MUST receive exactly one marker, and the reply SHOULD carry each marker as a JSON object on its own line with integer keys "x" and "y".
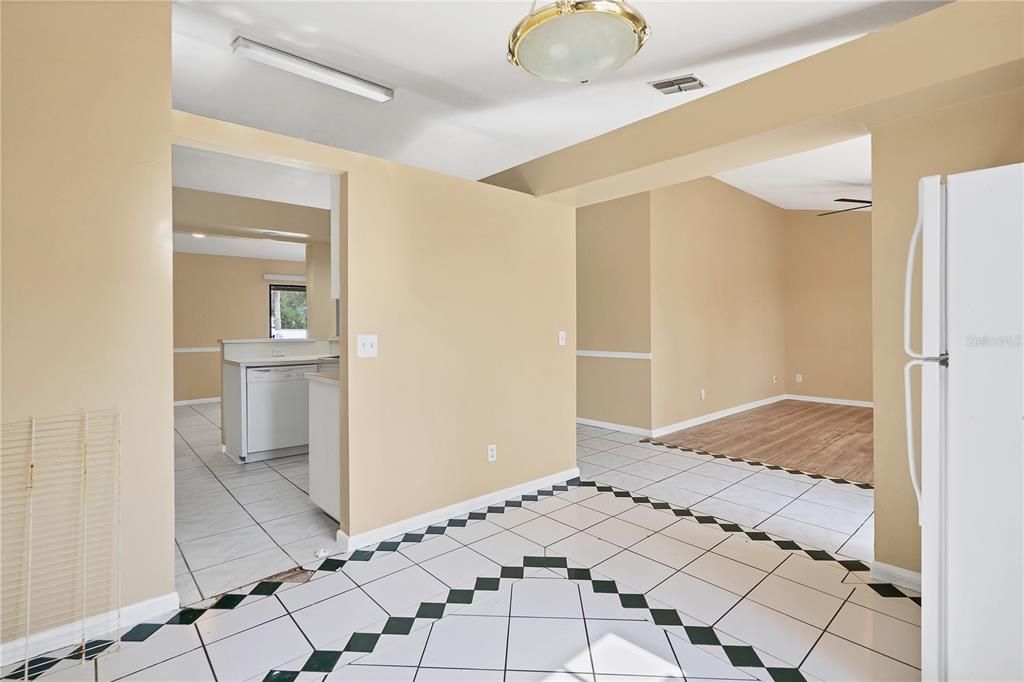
{"x": 270, "y": 304}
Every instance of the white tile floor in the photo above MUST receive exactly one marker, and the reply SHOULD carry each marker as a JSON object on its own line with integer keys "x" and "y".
{"x": 237, "y": 523}
{"x": 836, "y": 518}
{"x": 736, "y": 595}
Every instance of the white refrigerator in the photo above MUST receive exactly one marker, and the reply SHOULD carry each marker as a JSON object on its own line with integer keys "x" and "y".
{"x": 968, "y": 475}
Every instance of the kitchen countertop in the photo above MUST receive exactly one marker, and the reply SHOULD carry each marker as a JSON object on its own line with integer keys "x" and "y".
{"x": 323, "y": 377}
{"x": 278, "y": 361}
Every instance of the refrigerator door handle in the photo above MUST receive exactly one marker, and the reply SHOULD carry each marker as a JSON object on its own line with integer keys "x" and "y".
{"x": 908, "y": 406}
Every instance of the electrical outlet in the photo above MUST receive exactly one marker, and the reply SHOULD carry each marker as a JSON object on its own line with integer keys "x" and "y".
{"x": 775, "y": 379}
{"x": 366, "y": 346}
{"x": 702, "y": 394}
{"x": 561, "y": 338}
{"x": 492, "y": 452}
{"x": 799, "y": 378}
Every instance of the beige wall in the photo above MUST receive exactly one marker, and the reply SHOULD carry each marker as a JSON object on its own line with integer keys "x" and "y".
{"x": 827, "y": 266}
{"x": 613, "y": 298}
{"x": 614, "y": 390}
{"x": 86, "y": 204}
{"x": 233, "y": 215}
{"x": 321, "y": 308}
{"x": 980, "y": 134}
{"x": 727, "y": 291}
{"x": 218, "y": 297}
{"x": 613, "y": 310}
{"x": 716, "y": 299}
{"x": 467, "y": 286}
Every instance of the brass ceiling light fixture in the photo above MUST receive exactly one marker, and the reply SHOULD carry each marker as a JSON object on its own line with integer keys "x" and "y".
{"x": 577, "y": 40}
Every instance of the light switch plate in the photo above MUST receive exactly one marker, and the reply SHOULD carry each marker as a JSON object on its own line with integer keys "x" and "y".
{"x": 561, "y": 338}
{"x": 366, "y": 346}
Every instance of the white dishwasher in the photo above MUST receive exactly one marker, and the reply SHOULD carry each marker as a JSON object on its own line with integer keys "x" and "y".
{"x": 277, "y": 411}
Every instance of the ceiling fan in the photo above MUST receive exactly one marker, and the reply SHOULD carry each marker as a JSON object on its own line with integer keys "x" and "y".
{"x": 864, "y": 203}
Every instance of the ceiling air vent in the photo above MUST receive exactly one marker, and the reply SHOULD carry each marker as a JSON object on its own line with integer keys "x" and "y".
{"x": 671, "y": 86}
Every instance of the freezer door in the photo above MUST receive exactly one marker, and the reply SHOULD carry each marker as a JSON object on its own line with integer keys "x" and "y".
{"x": 984, "y": 618}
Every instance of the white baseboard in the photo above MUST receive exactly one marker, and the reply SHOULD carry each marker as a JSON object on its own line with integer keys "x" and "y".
{"x": 896, "y": 575}
{"x": 95, "y": 626}
{"x": 196, "y": 401}
{"x": 372, "y": 537}
{"x": 831, "y": 401}
{"x": 614, "y": 427}
{"x": 705, "y": 418}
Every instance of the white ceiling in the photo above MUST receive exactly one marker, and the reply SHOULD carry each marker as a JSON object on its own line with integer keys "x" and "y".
{"x": 459, "y": 107}
{"x": 242, "y": 247}
{"x": 213, "y": 172}
{"x": 810, "y": 180}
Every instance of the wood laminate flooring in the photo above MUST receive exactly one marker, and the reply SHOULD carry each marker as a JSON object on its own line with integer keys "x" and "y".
{"x": 819, "y": 438}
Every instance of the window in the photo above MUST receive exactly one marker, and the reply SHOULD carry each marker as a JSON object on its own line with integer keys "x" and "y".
{"x": 287, "y": 311}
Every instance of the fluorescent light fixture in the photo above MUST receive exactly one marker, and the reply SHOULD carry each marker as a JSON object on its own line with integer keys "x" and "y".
{"x": 198, "y": 235}
{"x": 279, "y": 233}
{"x": 307, "y": 69}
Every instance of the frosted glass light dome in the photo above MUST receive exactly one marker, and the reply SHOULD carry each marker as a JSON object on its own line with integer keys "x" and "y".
{"x": 577, "y": 41}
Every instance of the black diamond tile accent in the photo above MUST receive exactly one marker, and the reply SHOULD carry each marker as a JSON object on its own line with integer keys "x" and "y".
{"x": 460, "y": 597}
{"x": 786, "y": 544}
{"x": 621, "y": 493}
{"x": 268, "y": 587}
{"x": 398, "y": 626}
{"x": 141, "y": 632}
{"x": 579, "y": 574}
{"x": 730, "y": 528}
{"x": 840, "y": 481}
{"x": 487, "y": 584}
{"x": 321, "y": 662}
{"x": 389, "y": 546}
{"x": 457, "y": 523}
{"x": 92, "y": 648}
{"x": 36, "y": 667}
{"x": 916, "y": 600}
{"x": 642, "y": 500}
{"x": 514, "y": 503}
{"x": 412, "y": 537}
{"x": 666, "y": 617}
{"x": 477, "y": 516}
{"x": 772, "y": 467}
{"x": 661, "y": 505}
{"x": 228, "y": 601}
{"x": 430, "y": 610}
{"x": 545, "y": 493}
{"x": 853, "y": 565}
{"x": 604, "y": 586}
{"x": 699, "y": 634}
{"x": 281, "y": 676}
{"x": 705, "y": 519}
{"x": 786, "y": 675}
{"x": 511, "y": 572}
{"x": 362, "y": 642}
{"x": 530, "y": 498}
{"x": 886, "y": 590}
{"x": 682, "y": 512}
{"x": 819, "y": 555}
{"x": 742, "y": 656}
{"x": 361, "y": 555}
{"x": 818, "y": 476}
{"x": 865, "y": 486}
{"x": 495, "y": 510}
{"x": 436, "y": 530}
{"x": 332, "y": 565}
{"x": 758, "y": 536}
{"x": 545, "y": 562}
{"x": 186, "y": 617}
{"x": 633, "y": 601}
